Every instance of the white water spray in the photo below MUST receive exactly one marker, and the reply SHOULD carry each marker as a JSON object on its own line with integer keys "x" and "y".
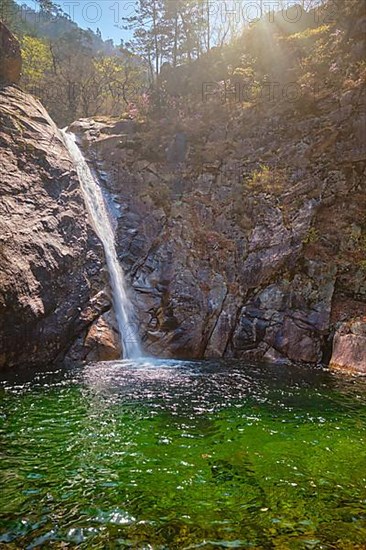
{"x": 99, "y": 215}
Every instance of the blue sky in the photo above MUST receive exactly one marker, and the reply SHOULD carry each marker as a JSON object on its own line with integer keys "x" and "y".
{"x": 107, "y": 15}
{"x": 103, "y": 14}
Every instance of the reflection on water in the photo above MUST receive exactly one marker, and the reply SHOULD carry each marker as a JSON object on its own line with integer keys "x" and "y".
{"x": 166, "y": 454}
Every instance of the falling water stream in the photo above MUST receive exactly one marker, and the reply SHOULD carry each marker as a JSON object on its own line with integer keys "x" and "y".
{"x": 99, "y": 214}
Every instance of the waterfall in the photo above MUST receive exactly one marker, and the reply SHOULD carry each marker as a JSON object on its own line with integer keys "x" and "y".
{"x": 99, "y": 215}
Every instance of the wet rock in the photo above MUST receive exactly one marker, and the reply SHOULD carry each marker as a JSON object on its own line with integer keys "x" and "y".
{"x": 102, "y": 342}
{"x": 274, "y": 356}
{"x": 297, "y": 343}
{"x": 249, "y": 333}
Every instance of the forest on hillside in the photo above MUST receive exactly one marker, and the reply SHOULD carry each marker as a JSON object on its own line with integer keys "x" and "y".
{"x": 175, "y": 46}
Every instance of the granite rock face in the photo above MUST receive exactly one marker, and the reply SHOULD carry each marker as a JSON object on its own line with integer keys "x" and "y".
{"x": 222, "y": 267}
{"x": 218, "y": 266}
{"x": 349, "y": 347}
{"x": 10, "y": 57}
{"x": 102, "y": 341}
{"x": 241, "y": 232}
{"x": 49, "y": 259}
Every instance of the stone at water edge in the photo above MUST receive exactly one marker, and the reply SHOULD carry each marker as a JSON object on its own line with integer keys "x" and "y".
{"x": 10, "y": 57}
{"x": 349, "y": 347}
{"x": 102, "y": 340}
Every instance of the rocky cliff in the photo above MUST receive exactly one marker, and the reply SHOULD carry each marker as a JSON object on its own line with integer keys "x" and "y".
{"x": 52, "y": 272}
{"x": 241, "y": 219}
{"x": 48, "y": 271}
{"x": 231, "y": 258}
{"x": 241, "y": 229}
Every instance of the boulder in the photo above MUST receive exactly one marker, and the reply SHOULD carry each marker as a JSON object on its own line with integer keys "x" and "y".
{"x": 349, "y": 347}
{"x": 102, "y": 341}
{"x": 10, "y": 57}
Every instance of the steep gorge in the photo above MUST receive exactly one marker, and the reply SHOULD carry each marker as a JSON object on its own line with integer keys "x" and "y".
{"x": 245, "y": 241}
{"x": 50, "y": 260}
{"x": 220, "y": 267}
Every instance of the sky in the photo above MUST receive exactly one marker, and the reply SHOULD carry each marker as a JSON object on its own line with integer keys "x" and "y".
{"x": 103, "y": 14}
{"x": 107, "y": 15}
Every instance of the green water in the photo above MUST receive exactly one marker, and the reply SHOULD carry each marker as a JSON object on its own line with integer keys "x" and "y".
{"x": 178, "y": 455}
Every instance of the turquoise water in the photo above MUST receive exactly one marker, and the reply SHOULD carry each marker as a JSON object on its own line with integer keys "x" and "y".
{"x": 183, "y": 455}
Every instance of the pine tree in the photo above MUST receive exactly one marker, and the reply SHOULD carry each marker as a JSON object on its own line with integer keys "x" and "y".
{"x": 147, "y": 41}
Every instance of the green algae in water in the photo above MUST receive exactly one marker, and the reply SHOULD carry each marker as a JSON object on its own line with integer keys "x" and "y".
{"x": 174, "y": 455}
